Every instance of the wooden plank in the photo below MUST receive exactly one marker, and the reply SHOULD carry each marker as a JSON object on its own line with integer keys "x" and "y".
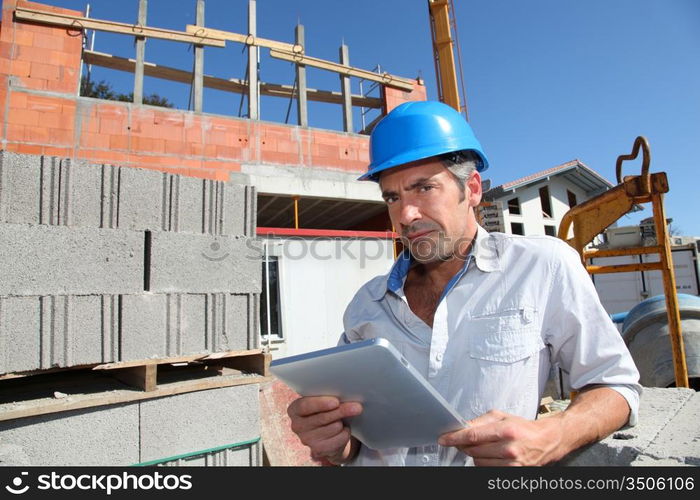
{"x": 79, "y": 401}
{"x": 345, "y": 89}
{"x": 385, "y": 79}
{"x": 230, "y": 85}
{"x": 79, "y": 23}
{"x": 258, "y": 364}
{"x": 177, "y": 359}
{"x": 230, "y": 36}
{"x": 140, "y": 377}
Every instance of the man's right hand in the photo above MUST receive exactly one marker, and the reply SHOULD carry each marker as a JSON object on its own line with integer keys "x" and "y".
{"x": 318, "y": 422}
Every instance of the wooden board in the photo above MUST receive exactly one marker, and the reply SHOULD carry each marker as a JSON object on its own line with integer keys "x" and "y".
{"x": 227, "y": 85}
{"x": 80, "y": 23}
{"x": 241, "y": 38}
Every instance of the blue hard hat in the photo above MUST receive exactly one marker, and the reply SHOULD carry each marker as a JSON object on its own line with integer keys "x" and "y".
{"x": 417, "y": 130}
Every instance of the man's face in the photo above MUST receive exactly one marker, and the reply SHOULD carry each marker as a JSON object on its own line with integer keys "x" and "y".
{"x": 427, "y": 208}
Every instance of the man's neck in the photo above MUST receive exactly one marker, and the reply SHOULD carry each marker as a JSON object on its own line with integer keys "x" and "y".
{"x": 440, "y": 272}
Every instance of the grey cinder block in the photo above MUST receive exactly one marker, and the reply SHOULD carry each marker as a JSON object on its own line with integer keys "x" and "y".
{"x": 42, "y": 332}
{"x": 244, "y": 456}
{"x": 56, "y": 260}
{"x": 181, "y": 424}
{"x": 192, "y": 263}
{"x": 161, "y": 325}
{"x": 107, "y": 435}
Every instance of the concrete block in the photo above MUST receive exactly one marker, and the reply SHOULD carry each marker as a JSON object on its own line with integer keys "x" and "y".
{"x": 52, "y": 260}
{"x": 235, "y": 209}
{"x": 657, "y": 408}
{"x": 187, "y": 205}
{"x": 92, "y": 201}
{"x": 142, "y": 199}
{"x": 245, "y": 456}
{"x": 20, "y": 188}
{"x": 160, "y": 325}
{"x": 103, "y": 436}
{"x": 181, "y": 424}
{"x": 192, "y": 263}
{"x": 143, "y": 326}
{"x": 57, "y": 331}
{"x": 647, "y": 461}
{"x": 680, "y": 438}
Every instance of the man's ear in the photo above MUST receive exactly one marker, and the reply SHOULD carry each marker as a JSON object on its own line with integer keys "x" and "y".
{"x": 473, "y": 189}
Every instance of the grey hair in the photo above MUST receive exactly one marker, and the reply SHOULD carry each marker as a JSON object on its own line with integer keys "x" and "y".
{"x": 461, "y": 164}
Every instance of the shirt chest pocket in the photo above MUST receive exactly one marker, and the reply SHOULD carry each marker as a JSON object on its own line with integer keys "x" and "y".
{"x": 506, "y": 336}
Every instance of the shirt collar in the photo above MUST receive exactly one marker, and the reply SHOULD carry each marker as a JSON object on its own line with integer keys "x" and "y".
{"x": 483, "y": 251}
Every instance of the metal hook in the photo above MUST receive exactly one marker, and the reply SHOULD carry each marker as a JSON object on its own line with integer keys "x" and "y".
{"x": 642, "y": 142}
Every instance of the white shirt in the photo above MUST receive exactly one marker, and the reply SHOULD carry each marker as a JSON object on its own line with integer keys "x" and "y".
{"x": 519, "y": 304}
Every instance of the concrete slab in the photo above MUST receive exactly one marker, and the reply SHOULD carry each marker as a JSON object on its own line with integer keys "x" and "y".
{"x": 190, "y": 263}
{"x": 55, "y": 260}
{"x": 104, "y": 436}
{"x": 658, "y": 407}
{"x": 680, "y": 438}
{"x": 201, "y": 420}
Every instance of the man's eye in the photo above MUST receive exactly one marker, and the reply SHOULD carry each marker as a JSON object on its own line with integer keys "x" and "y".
{"x": 390, "y": 200}
{"x": 425, "y": 188}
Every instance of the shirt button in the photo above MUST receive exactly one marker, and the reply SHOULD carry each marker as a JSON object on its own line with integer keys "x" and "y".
{"x": 438, "y": 356}
{"x": 425, "y": 459}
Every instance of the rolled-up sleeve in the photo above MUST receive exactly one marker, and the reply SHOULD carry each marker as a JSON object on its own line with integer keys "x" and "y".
{"x": 583, "y": 339}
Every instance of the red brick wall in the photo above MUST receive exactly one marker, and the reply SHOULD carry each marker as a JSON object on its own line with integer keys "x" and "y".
{"x": 41, "y": 113}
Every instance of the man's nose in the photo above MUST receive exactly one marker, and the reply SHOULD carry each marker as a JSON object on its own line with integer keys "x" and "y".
{"x": 409, "y": 214}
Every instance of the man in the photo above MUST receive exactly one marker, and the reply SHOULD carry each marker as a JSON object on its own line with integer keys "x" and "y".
{"x": 481, "y": 315}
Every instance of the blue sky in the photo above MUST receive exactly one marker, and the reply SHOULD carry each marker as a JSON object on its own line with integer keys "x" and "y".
{"x": 547, "y": 80}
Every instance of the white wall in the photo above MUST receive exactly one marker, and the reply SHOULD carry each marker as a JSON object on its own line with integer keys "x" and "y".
{"x": 318, "y": 278}
{"x": 531, "y": 207}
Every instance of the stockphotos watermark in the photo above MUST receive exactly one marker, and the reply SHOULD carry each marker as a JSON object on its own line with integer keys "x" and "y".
{"x": 363, "y": 250}
{"x": 106, "y": 483}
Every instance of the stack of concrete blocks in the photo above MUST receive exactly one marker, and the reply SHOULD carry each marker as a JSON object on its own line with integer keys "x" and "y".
{"x": 103, "y": 264}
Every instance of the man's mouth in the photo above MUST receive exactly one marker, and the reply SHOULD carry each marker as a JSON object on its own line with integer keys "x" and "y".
{"x": 418, "y": 234}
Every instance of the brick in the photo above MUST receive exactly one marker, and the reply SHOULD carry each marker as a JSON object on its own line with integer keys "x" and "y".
{"x": 32, "y": 149}
{"x": 63, "y": 120}
{"x": 182, "y": 262}
{"x": 23, "y": 117}
{"x": 50, "y": 440}
{"x": 57, "y": 151}
{"x": 175, "y": 147}
{"x": 228, "y": 152}
{"x": 45, "y": 104}
{"x": 112, "y": 127}
{"x": 55, "y": 260}
{"x": 48, "y": 41}
{"x": 174, "y": 426}
{"x": 18, "y": 100}
{"x": 15, "y": 133}
{"x": 24, "y": 38}
{"x": 20, "y": 68}
{"x": 118, "y": 142}
{"x": 95, "y": 141}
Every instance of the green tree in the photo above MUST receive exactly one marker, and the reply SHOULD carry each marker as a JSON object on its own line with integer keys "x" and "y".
{"x": 103, "y": 90}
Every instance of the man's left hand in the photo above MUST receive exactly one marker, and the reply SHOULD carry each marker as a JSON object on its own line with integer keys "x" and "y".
{"x": 497, "y": 439}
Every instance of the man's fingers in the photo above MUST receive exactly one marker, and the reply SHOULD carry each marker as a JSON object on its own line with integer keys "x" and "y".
{"x": 490, "y": 417}
{"x": 303, "y": 407}
{"x": 331, "y": 445}
{"x": 345, "y": 410}
{"x": 497, "y": 450}
{"x": 471, "y": 436}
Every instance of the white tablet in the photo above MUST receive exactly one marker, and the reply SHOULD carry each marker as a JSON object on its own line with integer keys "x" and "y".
{"x": 400, "y": 408}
